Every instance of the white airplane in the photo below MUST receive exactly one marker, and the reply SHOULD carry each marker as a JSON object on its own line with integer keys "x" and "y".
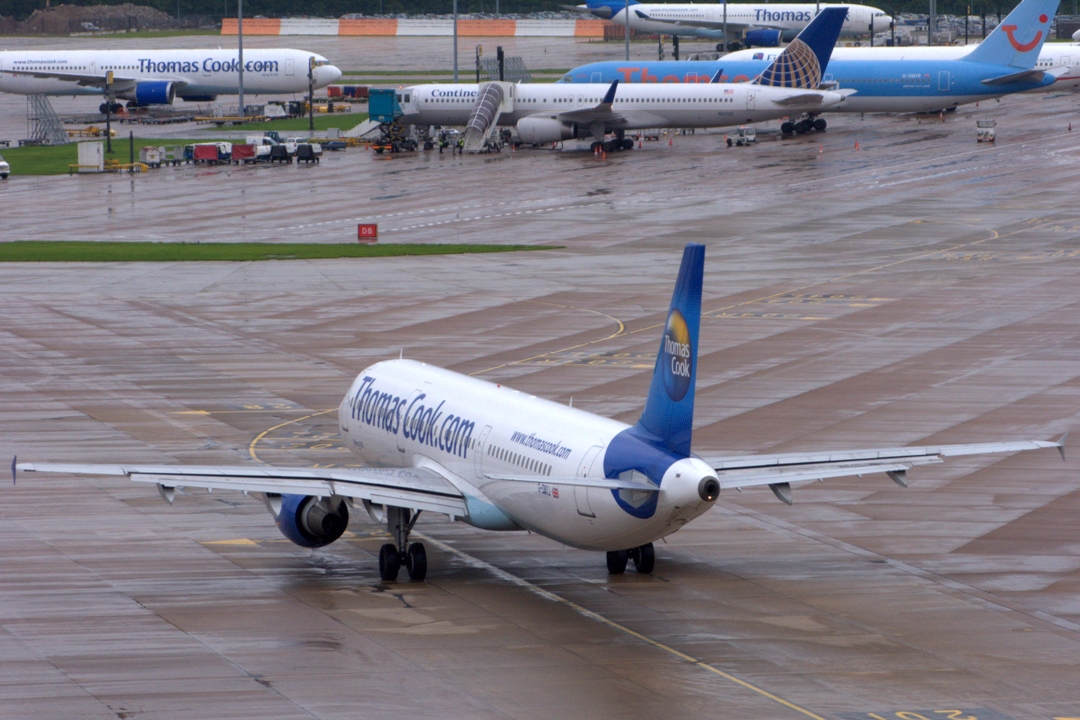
{"x": 762, "y": 24}
{"x": 548, "y": 113}
{"x": 1053, "y": 56}
{"x": 157, "y": 77}
{"x": 498, "y": 459}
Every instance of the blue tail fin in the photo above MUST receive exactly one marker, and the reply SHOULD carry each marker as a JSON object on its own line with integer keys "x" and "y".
{"x": 803, "y": 61}
{"x": 1018, "y": 40}
{"x": 669, "y": 411}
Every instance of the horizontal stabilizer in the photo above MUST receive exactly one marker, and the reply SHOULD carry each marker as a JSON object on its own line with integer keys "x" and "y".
{"x": 1035, "y": 76}
{"x": 799, "y": 100}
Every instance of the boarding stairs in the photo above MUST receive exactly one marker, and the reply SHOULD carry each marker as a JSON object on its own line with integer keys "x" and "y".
{"x": 492, "y": 100}
{"x": 42, "y": 123}
{"x": 367, "y": 129}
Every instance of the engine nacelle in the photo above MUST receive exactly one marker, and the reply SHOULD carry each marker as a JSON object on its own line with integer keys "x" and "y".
{"x": 309, "y": 521}
{"x": 762, "y": 38}
{"x": 543, "y": 130}
{"x": 158, "y": 92}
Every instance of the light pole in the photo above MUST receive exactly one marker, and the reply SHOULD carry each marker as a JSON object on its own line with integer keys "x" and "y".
{"x": 627, "y": 18}
{"x": 455, "y": 43}
{"x": 240, "y": 49}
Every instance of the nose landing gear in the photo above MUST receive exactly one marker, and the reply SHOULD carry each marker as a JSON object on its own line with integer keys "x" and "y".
{"x": 392, "y": 556}
{"x": 644, "y": 558}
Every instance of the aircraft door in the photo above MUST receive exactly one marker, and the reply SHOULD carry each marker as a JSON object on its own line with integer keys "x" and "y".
{"x": 581, "y": 494}
{"x": 750, "y": 99}
{"x": 290, "y": 66}
{"x": 479, "y": 450}
{"x": 943, "y": 81}
{"x": 597, "y": 77}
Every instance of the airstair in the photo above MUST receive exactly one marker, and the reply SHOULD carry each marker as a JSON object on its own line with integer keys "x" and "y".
{"x": 42, "y": 123}
{"x": 492, "y": 100}
{"x": 366, "y": 129}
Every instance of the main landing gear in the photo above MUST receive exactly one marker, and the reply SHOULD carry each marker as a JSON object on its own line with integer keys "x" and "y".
{"x": 392, "y": 556}
{"x": 804, "y": 125}
{"x": 619, "y": 142}
{"x": 644, "y": 558}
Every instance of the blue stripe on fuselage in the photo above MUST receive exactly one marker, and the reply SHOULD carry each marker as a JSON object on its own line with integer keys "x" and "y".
{"x": 881, "y": 78}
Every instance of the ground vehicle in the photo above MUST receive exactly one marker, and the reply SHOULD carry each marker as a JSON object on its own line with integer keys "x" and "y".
{"x": 292, "y": 143}
{"x": 986, "y": 130}
{"x": 743, "y": 136}
{"x": 5, "y": 169}
{"x": 262, "y": 146}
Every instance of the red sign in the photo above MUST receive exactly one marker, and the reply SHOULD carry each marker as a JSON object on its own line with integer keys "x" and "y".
{"x": 367, "y": 233}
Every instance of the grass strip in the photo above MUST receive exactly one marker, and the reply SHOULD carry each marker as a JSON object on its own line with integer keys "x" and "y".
{"x": 90, "y": 251}
{"x": 54, "y": 159}
{"x": 323, "y": 122}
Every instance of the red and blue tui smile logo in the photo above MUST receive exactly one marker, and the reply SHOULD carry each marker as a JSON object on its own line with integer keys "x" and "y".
{"x": 1028, "y": 46}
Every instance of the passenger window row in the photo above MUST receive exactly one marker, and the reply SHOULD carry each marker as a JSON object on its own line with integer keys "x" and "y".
{"x": 520, "y": 460}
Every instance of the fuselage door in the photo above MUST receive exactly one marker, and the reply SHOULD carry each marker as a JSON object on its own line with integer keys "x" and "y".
{"x": 750, "y": 99}
{"x": 290, "y": 66}
{"x": 478, "y": 450}
{"x": 597, "y": 77}
{"x": 943, "y": 81}
{"x": 581, "y": 494}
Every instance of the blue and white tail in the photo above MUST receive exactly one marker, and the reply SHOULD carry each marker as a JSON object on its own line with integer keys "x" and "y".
{"x": 607, "y": 9}
{"x": 1018, "y": 40}
{"x": 804, "y": 60}
{"x": 669, "y": 411}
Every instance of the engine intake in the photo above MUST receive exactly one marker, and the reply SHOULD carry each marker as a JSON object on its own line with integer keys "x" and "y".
{"x": 157, "y": 92}
{"x": 544, "y": 130}
{"x": 309, "y": 521}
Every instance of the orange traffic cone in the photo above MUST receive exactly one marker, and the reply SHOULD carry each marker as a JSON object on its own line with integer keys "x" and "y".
{"x": 671, "y": 140}
{"x": 821, "y": 149}
{"x": 941, "y": 116}
{"x": 638, "y": 142}
{"x": 856, "y": 144}
{"x": 603, "y": 155}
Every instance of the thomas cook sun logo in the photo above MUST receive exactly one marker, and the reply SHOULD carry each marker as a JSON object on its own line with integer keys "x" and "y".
{"x": 677, "y": 357}
{"x": 1009, "y": 31}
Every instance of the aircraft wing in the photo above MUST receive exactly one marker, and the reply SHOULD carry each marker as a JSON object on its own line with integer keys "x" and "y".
{"x": 1026, "y": 75}
{"x": 415, "y": 488}
{"x": 90, "y": 80}
{"x": 601, "y": 112}
{"x": 800, "y": 99}
{"x": 603, "y": 483}
{"x": 779, "y": 471}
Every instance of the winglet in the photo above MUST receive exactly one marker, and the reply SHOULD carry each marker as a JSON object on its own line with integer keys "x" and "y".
{"x": 609, "y": 97}
{"x": 13, "y": 459}
{"x": 1060, "y": 442}
{"x": 717, "y": 76}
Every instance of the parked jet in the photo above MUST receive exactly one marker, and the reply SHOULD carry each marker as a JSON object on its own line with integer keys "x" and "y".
{"x": 549, "y": 113}
{"x": 1002, "y": 64}
{"x": 499, "y": 459}
{"x": 157, "y": 77}
{"x": 761, "y": 24}
{"x": 1053, "y": 58}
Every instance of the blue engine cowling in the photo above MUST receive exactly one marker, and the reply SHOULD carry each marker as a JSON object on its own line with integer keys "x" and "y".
{"x": 312, "y": 522}
{"x": 155, "y": 93}
{"x": 762, "y": 38}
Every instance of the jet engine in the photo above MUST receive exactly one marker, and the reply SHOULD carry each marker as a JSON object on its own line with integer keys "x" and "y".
{"x": 158, "y": 92}
{"x": 309, "y": 521}
{"x": 762, "y": 38}
{"x": 543, "y": 130}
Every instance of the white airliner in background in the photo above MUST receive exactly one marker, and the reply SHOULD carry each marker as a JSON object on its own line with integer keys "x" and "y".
{"x": 548, "y": 113}
{"x": 762, "y": 24}
{"x": 155, "y": 77}
{"x": 499, "y": 459}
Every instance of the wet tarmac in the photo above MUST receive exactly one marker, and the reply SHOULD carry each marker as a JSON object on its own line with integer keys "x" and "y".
{"x": 923, "y": 289}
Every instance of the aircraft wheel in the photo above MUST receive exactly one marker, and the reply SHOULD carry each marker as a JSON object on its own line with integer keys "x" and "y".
{"x": 729, "y": 142}
{"x": 389, "y": 562}
{"x": 645, "y": 559}
{"x": 803, "y": 126}
{"x": 628, "y": 144}
{"x": 787, "y": 128}
{"x": 103, "y": 108}
{"x": 616, "y": 561}
{"x": 820, "y": 124}
{"x": 417, "y": 561}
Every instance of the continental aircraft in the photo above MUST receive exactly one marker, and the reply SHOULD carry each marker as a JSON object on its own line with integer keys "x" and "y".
{"x": 550, "y": 113}
{"x": 762, "y": 24}
{"x": 498, "y": 459}
{"x": 1002, "y": 64}
{"x": 157, "y": 77}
